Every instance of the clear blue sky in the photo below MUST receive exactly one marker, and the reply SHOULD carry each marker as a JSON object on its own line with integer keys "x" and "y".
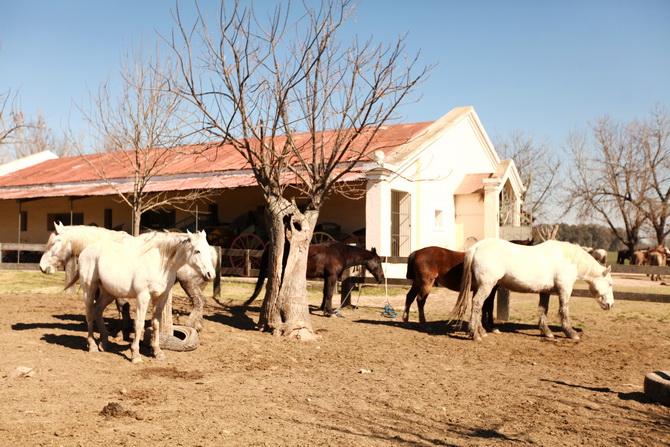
{"x": 542, "y": 67}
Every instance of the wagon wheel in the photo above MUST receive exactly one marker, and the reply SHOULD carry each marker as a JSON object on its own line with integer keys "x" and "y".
{"x": 246, "y": 241}
{"x": 319, "y": 237}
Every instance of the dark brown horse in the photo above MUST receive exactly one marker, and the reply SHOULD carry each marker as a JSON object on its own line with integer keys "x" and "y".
{"x": 431, "y": 265}
{"x": 328, "y": 261}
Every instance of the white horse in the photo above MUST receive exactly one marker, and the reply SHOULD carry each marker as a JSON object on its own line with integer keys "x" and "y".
{"x": 600, "y": 255}
{"x": 67, "y": 242}
{"x": 145, "y": 270}
{"x": 550, "y": 267}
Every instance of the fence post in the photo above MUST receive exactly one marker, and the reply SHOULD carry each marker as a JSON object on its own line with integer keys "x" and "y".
{"x": 502, "y": 311}
{"x": 247, "y": 263}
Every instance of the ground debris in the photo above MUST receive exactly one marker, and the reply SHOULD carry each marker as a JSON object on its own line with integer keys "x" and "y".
{"x": 115, "y": 410}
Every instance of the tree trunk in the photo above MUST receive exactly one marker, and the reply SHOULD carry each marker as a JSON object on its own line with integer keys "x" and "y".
{"x": 285, "y": 309}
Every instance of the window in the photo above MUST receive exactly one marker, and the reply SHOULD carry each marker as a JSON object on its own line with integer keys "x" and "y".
{"x": 439, "y": 219}
{"x": 400, "y": 223}
{"x": 65, "y": 219}
{"x": 158, "y": 220}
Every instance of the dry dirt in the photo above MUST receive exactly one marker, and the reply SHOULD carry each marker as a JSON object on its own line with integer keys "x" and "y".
{"x": 367, "y": 382}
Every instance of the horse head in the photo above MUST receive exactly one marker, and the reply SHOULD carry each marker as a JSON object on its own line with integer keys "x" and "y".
{"x": 601, "y": 288}
{"x": 374, "y": 265}
{"x": 57, "y": 253}
{"x": 200, "y": 257}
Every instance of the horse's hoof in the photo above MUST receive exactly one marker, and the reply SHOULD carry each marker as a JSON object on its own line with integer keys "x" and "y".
{"x": 160, "y": 356}
{"x": 137, "y": 360}
{"x": 495, "y": 331}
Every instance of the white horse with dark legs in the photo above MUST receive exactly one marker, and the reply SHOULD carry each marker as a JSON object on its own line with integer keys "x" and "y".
{"x": 550, "y": 267}
{"x": 65, "y": 245}
{"x": 191, "y": 280}
{"x": 145, "y": 270}
{"x": 67, "y": 242}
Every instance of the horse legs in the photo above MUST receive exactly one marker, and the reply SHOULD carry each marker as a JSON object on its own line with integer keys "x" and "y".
{"x": 420, "y": 293}
{"x": 487, "y": 312}
{"x": 159, "y": 305}
{"x": 329, "y": 285}
{"x": 564, "y": 298}
{"x": 101, "y": 302}
{"x": 476, "y": 329}
{"x": 123, "y": 307}
{"x": 142, "y": 304}
{"x": 409, "y": 299}
{"x": 193, "y": 288}
{"x": 90, "y": 290}
{"x": 543, "y": 308}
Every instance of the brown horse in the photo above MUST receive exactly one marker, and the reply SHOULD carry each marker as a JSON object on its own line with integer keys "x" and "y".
{"x": 431, "y": 265}
{"x": 639, "y": 257}
{"x": 328, "y": 261}
{"x": 658, "y": 257}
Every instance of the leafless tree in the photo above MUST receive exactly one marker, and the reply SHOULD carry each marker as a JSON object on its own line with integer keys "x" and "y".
{"x": 12, "y": 121}
{"x": 38, "y": 137}
{"x": 140, "y": 130}
{"x": 538, "y": 167}
{"x": 651, "y": 138}
{"x": 607, "y": 179}
{"x": 302, "y": 107}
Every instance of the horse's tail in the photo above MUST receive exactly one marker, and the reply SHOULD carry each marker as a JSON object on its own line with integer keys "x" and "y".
{"x": 461, "y": 306}
{"x": 262, "y": 274}
{"x": 410, "y": 265}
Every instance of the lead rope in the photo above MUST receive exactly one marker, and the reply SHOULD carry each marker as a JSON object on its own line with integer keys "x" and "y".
{"x": 389, "y": 311}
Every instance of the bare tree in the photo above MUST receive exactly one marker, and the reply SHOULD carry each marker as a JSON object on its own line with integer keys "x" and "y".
{"x": 12, "y": 121}
{"x": 38, "y": 137}
{"x": 607, "y": 180}
{"x": 538, "y": 167}
{"x": 651, "y": 138}
{"x": 302, "y": 108}
{"x": 140, "y": 130}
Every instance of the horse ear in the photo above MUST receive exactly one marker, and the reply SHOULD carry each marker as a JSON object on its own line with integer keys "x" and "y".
{"x": 374, "y": 251}
{"x": 58, "y": 227}
{"x": 608, "y": 270}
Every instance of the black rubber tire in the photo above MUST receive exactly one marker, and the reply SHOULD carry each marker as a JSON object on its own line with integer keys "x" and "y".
{"x": 657, "y": 386}
{"x": 183, "y": 338}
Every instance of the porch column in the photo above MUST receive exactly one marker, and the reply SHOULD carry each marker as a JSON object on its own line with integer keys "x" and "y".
{"x": 378, "y": 207}
{"x": 377, "y": 228}
{"x": 491, "y": 208}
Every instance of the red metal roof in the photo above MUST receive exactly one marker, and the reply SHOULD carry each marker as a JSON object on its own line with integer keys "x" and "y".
{"x": 206, "y": 166}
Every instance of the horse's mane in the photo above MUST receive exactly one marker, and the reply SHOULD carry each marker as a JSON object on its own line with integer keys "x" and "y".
{"x": 81, "y": 236}
{"x": 587, "y": 266}
{"x": 166, "y": 242}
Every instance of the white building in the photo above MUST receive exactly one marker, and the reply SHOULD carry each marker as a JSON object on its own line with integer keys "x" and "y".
{"x": 436, "y": 183}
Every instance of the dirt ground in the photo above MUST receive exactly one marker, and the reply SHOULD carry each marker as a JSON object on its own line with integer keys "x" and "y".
{"x": 367, "y": 382}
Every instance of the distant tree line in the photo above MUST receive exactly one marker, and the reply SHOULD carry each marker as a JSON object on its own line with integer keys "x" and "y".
{"x": 591, "y": 235}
